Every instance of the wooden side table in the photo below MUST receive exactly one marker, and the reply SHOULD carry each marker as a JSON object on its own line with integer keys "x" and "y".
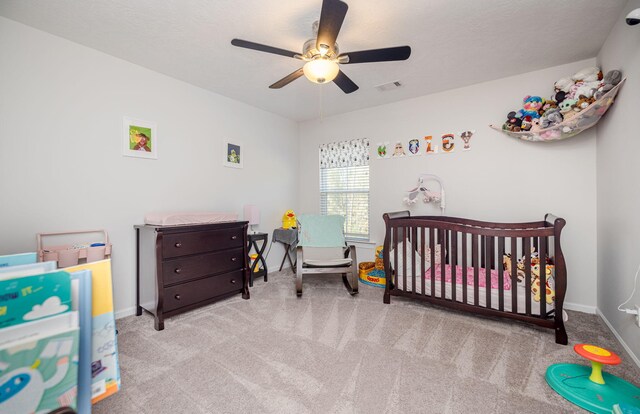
{"x": 254, "y": 238}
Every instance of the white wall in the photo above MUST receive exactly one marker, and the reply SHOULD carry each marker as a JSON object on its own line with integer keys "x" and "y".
{"x": 618, "y": 196}
{"x": 61, "y": 166}
{"x": 500, "y": 179}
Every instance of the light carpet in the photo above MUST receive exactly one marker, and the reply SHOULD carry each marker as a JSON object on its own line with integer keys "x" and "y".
{"x": 328, "y": 352}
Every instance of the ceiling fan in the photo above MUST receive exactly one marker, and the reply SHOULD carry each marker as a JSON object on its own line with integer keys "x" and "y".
{"x": 321, "y": 54}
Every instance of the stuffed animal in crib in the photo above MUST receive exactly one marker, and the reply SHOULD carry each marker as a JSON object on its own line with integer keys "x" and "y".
{"x": 535, "y": 289}
{"x": 535, "y": 283}
{"x": 531, "y": 106}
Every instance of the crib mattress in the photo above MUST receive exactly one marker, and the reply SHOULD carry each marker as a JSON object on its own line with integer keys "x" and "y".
{"x": 186, "y": 218}
{"x": 520, "y": 291}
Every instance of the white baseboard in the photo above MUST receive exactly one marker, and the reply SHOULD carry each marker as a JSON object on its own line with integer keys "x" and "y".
{"x": 619, "y": 338}
{"x": 579, "y": 308}
{"x": 125, "y": 312}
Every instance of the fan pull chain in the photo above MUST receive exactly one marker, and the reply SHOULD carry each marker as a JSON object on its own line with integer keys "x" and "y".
{"x": 321, "y": 112}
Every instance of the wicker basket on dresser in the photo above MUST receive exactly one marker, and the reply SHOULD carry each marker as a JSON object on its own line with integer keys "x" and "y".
{"x": 180, "y": 268}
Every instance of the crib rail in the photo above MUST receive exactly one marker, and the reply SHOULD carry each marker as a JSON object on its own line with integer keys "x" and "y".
{"x": 472, "y": 266}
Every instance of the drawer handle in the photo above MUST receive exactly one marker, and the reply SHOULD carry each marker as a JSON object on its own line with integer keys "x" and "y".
{"x": 178, "y": 270}
{"x": 177, "y": 297}
{"x": 178, "y": 245}
{"x": 234, "y": 237}
{"x": 233, "y": 281}
{"x": 233, "y": 259}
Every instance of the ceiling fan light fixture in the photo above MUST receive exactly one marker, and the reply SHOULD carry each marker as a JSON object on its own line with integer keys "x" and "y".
{"x": 321, "y": 70}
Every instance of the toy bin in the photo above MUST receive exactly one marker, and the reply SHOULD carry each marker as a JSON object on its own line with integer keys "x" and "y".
{"x": 76, "y": 250}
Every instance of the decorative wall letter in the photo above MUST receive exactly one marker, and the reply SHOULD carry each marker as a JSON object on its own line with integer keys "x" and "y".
{"x": 466, "y": 137}
{"x": 447, "y": 142}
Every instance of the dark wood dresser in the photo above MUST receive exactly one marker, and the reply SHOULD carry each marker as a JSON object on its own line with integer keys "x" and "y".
{"x": 180, "y": 268}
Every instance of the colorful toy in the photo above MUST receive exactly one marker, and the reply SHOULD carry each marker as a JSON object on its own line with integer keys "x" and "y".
{"x": 526, "y": 123}
{"x": 592, "y": 389}
{"x": 514, "y": 122}
{"x": 531, "y": 106}
{"x": 372, "y": 273}
{"x": 566, "y": 108}
{"x": 289, "y": 220}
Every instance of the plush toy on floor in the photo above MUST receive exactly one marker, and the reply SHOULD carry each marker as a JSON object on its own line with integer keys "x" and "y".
{"x": 590, "y": 388}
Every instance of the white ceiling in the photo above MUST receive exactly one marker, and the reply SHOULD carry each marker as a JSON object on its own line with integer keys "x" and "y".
{"x": 454, "y": 43}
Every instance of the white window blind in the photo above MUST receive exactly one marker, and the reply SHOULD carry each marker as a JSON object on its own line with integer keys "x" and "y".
{"x": 344, "y": 190}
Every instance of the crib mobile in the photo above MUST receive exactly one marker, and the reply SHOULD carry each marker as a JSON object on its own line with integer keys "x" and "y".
{"x": 428, "y": 196}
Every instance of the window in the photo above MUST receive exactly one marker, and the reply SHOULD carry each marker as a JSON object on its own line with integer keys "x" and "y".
{"x": 344, "y": 184}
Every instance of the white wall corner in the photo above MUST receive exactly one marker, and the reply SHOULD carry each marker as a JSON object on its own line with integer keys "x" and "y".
{"x": 626, "y": 347}
{"x": 580, "y": 308}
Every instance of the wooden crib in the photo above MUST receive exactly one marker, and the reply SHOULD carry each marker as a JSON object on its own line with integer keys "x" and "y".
{"x": 479, "y": 259}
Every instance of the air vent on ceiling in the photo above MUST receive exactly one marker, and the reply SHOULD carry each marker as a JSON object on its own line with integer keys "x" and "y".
{"x": 389, "y": 86}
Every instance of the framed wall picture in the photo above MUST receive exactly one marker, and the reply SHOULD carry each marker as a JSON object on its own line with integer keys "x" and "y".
{"x": 233, "y": 154}
{"x": 140, "y": 138}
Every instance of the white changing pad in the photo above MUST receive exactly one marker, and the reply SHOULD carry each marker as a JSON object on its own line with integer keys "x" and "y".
{"x": 182, "y": 218}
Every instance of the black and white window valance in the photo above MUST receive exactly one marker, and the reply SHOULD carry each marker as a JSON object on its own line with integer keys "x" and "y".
{"x": 352, "y": 153}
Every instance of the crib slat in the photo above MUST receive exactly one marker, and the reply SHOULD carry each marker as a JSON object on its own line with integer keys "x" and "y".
{"x": 464, "y": 268}
{"x": 443, "y": 245}
{"x": 432, "y": 259}
{"x": 489, "y": 255}
{"x": 453, "y": 262}
{"x": 414, "y": 246}
{"x": 395, "y": 255}
{"x": 482, "y": 250}
{"x": 514, "y": 275}
{"x": 422, "y": 252}
{"x": 501, "y": 274}
{"x": 476, "y": 271}
{"x": 543, "y": 277}
{"x": 404, "y": 259}
{"x": 527, "y": 274}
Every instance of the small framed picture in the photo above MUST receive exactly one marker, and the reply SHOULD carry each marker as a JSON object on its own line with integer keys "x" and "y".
{"x": 233, "y": 154}
{"x": 140, "y": 138}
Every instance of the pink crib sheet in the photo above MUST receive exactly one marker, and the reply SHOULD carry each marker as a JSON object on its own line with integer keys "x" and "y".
{"x": 482, "y": 276}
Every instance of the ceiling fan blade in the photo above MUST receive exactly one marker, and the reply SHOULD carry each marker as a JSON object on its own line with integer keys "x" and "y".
{"x": 377, "y": 55}
{"x": 287, "y": 79}
{"x": 345, "y": 83}
{"x": 331, "y": 18}
{"x": 263, "y": 48}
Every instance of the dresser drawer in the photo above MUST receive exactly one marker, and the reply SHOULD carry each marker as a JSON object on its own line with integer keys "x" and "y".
{"x": 189, "y": 293}
{"x": 181, "y": 244}
{"x": 188, "y": 268}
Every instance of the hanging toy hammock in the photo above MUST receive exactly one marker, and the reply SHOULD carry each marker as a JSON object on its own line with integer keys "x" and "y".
{"x": 584, "y": 120}
{"x": 428, "y": 196}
